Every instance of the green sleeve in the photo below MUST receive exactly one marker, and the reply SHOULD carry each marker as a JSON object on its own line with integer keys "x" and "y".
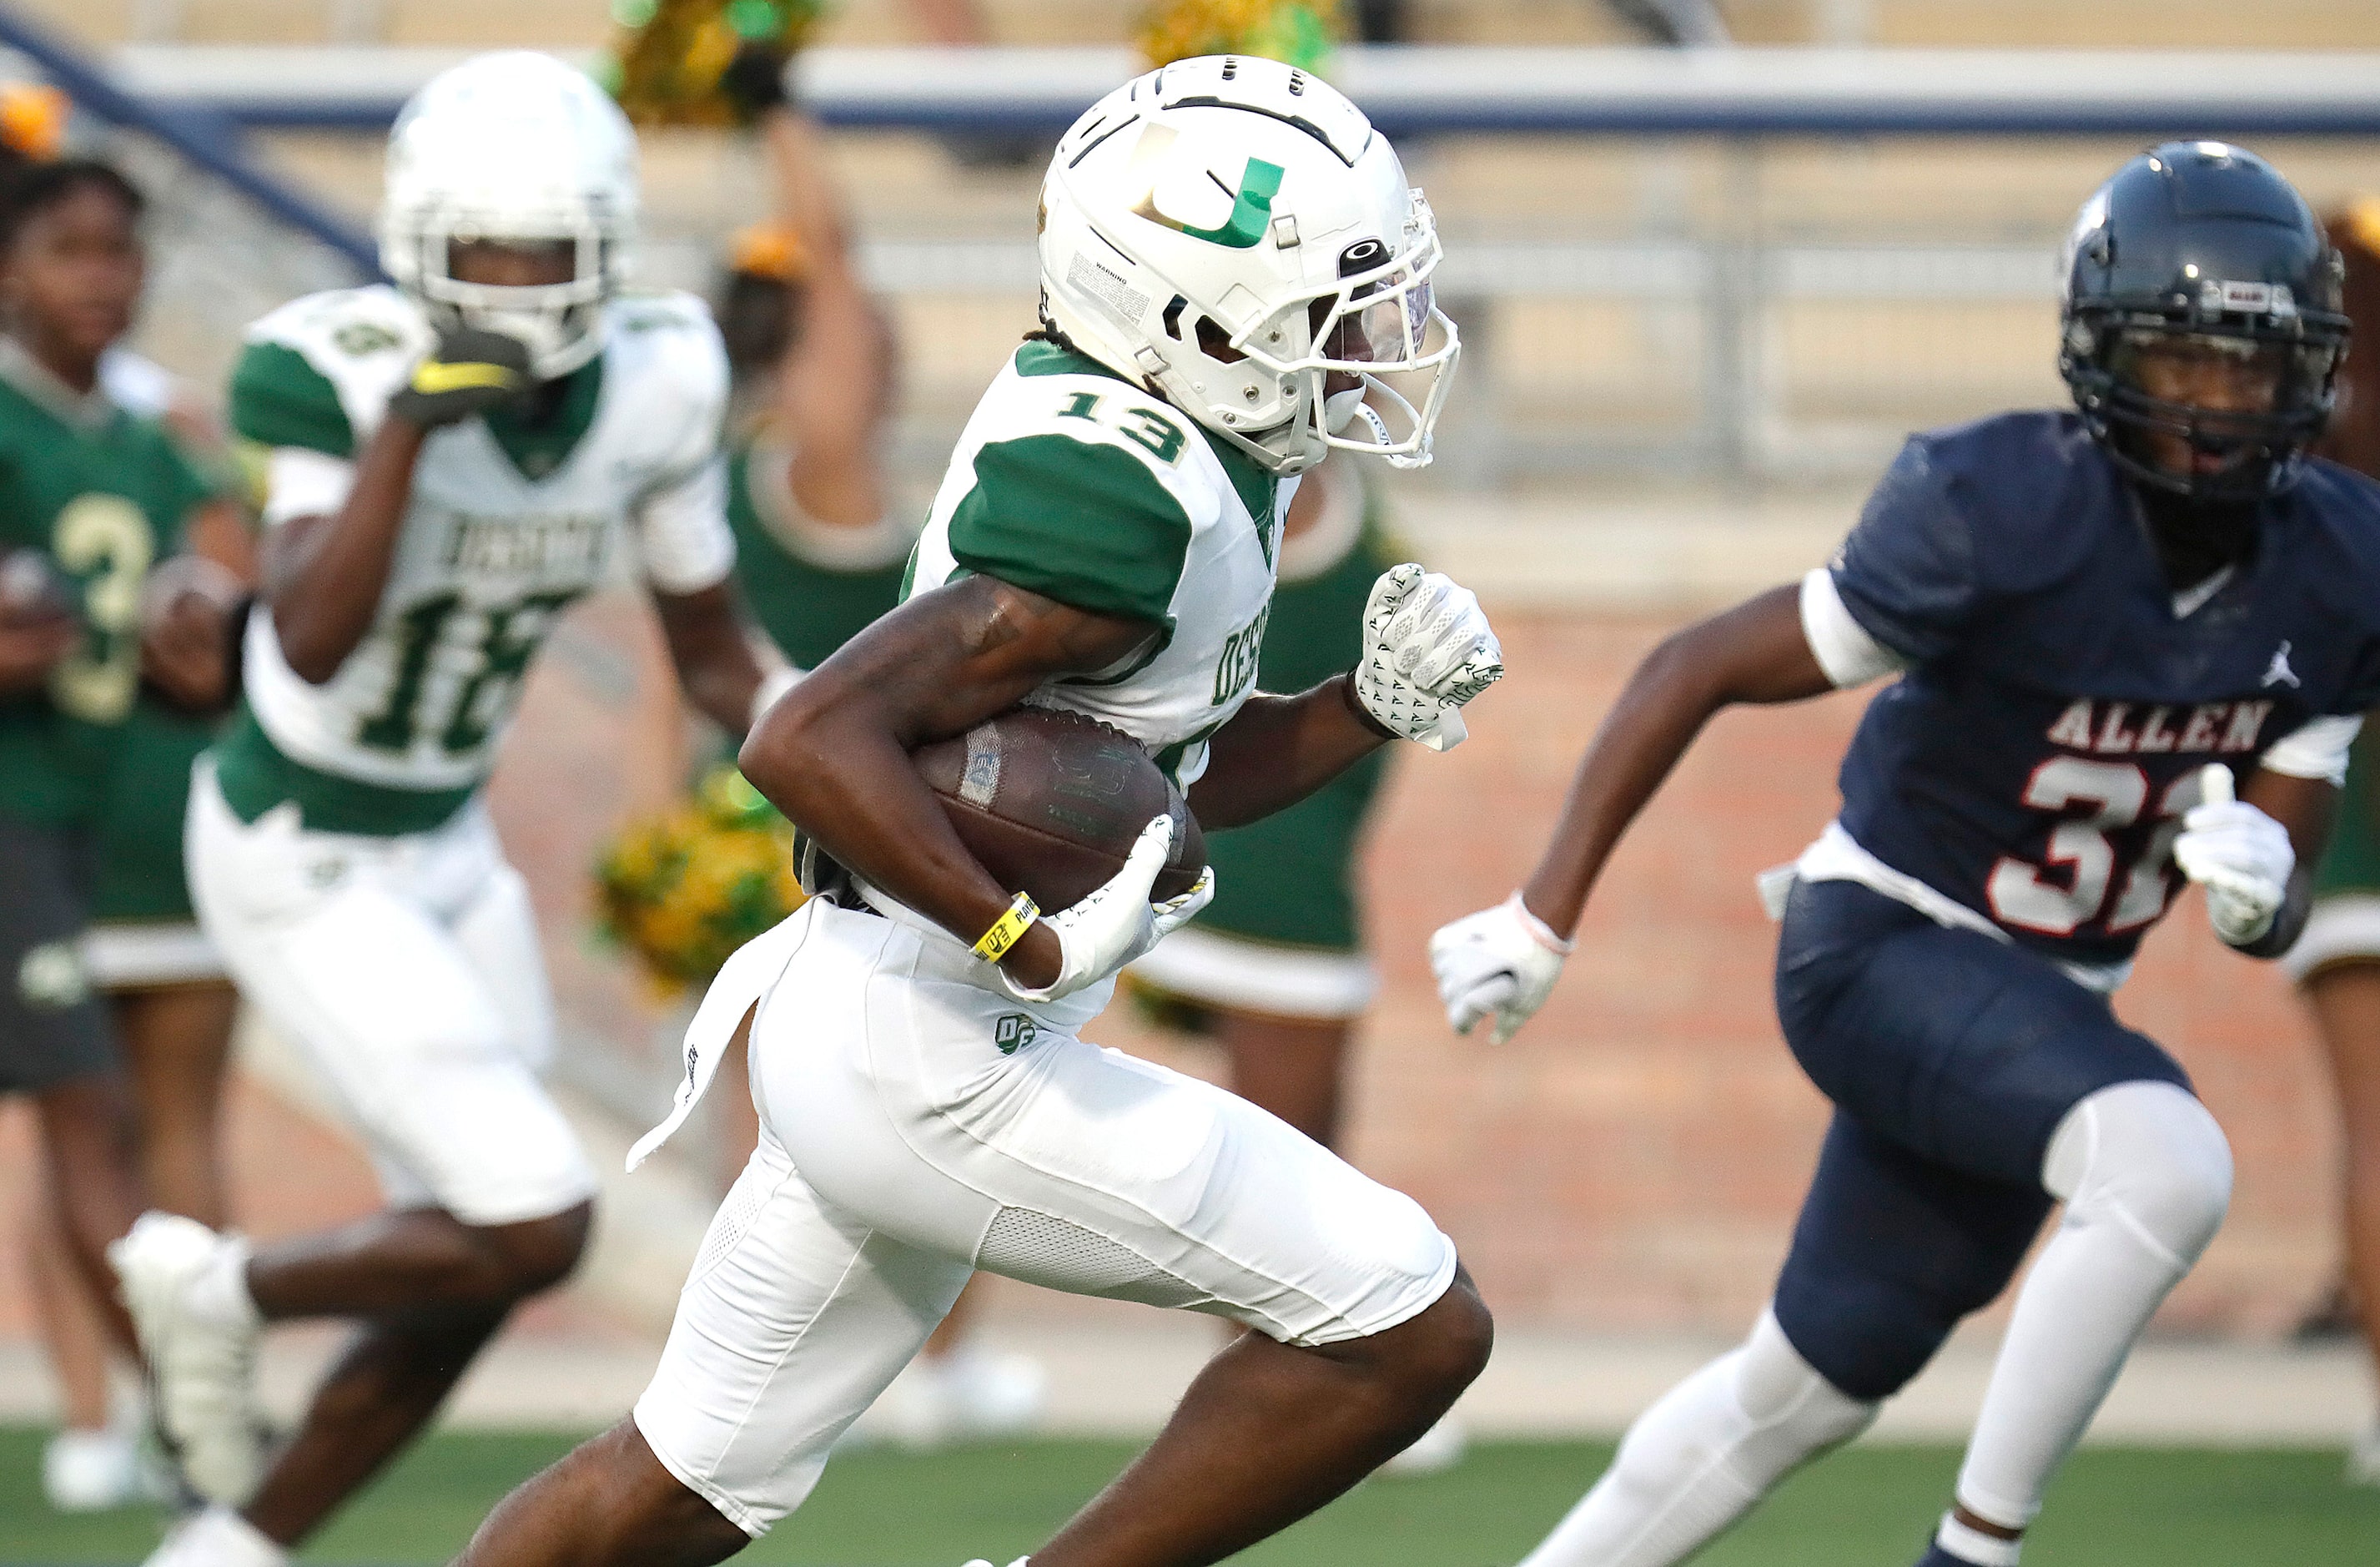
{"x": 279, "y": 399}
{"x": 1087, "y": 525}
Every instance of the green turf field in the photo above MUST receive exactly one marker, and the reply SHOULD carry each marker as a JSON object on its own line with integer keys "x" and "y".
{"x": 1872, "y": 1505}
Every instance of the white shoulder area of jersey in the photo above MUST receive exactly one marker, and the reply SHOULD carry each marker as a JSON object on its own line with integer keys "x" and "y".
{"x": 347, "y": 323}
{"x": 663, "y": 351}
{"x": 1102, "y": 411}
{"x": 670, "y": 335}
{"x": 363, "y": 341}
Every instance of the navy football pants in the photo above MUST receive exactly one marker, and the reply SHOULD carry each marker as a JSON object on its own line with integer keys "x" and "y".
{"x": 1951, "y": 1059}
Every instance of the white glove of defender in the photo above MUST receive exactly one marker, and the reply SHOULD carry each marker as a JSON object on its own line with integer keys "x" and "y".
{"x": 1428, "y": 650}
{"x": 1503, "y": 960}
{"x": 2240, "y": 856}
{"x": 1115, "y": 923}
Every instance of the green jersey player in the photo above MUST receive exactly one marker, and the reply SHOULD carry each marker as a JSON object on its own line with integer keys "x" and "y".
{"x": 453, "y": 461}
{"x": 1235, "y": 280}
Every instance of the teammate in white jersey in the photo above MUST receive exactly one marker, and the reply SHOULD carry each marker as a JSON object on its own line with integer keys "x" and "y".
{"x": 453, "y": 461}
{"x": 1234, "y": 272}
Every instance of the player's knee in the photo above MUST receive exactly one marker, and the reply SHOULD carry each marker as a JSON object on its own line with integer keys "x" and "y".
{"x": 2148, "y": 1156}
{"x": 1792, "y": 1409}
{"x": 539, "y": 1253}
{"x": 1449, "y": 1344}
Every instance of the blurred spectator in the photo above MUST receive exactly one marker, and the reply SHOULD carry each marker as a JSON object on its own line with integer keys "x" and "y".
{"x": 107, "y": 659}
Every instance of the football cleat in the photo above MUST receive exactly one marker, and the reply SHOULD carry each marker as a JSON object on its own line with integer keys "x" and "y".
{"x": 92, "y": 1471}
{"x": 970, "y": 1394}
{"x": 202, "y": 1367}
{"x": 216, "y": 1536}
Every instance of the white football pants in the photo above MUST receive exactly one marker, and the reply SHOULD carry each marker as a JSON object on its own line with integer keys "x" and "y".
{"x": 918, "y": 1125}
{"x": 408, "y": 970}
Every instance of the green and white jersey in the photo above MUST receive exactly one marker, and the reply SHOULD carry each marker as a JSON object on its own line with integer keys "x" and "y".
{"x": 1073, "y": 482}
{"x": 509, "y": 521}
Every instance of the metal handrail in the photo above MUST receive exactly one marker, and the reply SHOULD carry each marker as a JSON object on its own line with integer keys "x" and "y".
{"x": 1438, "y": 89}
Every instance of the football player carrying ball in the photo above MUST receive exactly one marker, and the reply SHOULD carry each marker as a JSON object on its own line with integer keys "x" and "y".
{"x": 1236, "y": 279}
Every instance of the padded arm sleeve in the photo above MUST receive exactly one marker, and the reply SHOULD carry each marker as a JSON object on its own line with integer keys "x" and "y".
{"x": 301, "y": 481}
{"x": 2316, "y": 748}
{"x": 681, "y": 531}
{"x": 1842, "y": 646}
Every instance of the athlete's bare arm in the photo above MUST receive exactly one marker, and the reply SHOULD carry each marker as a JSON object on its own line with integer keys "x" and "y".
{"x": 1276, "y": 750}
{"x": 834, "y": 384}
{"x": 834, "y": 753}
{"x": 189, "y": 646}
{"x": 323, "y": 575}
{"x": 2306, "y": 808}
{"x": 721, "y": 659}
{"x": 1754, "y": 652}
{"x": 34, "y": 639}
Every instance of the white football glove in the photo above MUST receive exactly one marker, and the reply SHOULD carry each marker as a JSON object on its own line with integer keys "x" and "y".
{"x": 1115, "y": 923}
{"x": 1503, "y": 960}
{"x": 2240, "y": 856}
{"x": 1428, "y": 650}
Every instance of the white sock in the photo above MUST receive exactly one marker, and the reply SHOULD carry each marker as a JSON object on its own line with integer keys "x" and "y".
{"x": 1974, "y": 1545}
{"x": 2147, "y": 1177}
{"x": 1706, "y": 1451}
{"x": 219, "y": 1293}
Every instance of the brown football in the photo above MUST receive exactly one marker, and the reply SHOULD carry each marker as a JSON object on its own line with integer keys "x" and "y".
{"x": 1052, "y": 803}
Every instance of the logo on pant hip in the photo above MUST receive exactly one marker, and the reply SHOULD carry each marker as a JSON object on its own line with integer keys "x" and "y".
{"x": 1012, "y": 1032}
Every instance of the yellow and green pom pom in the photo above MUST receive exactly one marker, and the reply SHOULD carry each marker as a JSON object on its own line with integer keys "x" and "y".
{"x": 1297, "y": 33}
{"x": 682, "y": 890}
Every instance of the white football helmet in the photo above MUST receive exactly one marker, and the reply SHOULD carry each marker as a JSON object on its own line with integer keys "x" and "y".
{"x": 1232, "y": 232}
{"x": 512, "y": 146}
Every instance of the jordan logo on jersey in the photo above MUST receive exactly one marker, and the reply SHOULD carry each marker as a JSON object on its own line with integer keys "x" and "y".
{"x": 2279, "y": 672}
{"x": 2123, "y": 729}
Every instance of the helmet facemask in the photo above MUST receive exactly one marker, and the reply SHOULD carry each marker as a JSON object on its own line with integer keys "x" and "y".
{"x": 2214, "y": 412}
{"x": 559, "y": 322}
{"x": 1374, "y": 356}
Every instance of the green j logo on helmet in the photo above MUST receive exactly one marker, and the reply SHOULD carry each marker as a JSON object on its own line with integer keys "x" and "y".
{"x": 1251, "y": 209}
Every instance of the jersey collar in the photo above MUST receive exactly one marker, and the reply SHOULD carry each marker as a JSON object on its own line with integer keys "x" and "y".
{"x": 89, "y": 411}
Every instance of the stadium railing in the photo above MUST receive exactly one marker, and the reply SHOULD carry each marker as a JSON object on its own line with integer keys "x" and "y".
{"x": 1696, "y": 329}
{"x": 1698, "y": 322}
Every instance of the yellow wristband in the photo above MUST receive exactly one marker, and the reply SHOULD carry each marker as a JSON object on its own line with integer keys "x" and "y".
{"x": 1008, "y": 930}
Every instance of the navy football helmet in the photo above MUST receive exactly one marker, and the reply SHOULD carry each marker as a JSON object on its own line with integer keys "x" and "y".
{"x": 2202, "y": 246}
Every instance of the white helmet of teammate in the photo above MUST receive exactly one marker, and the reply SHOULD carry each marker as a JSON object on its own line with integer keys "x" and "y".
{"x": 512, "y": 146}
{"x": 1232, "y": 231}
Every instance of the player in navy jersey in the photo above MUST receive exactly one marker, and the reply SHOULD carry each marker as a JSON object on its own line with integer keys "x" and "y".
{"x": 2104, "y": 622}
